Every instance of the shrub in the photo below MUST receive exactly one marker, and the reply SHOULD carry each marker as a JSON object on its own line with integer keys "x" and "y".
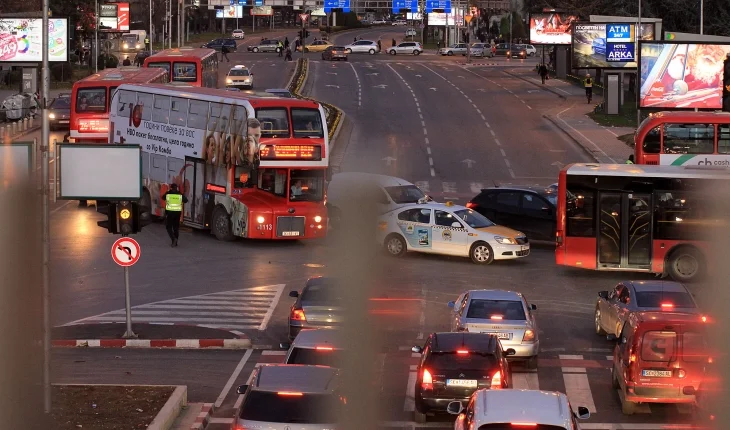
{"x": 61, "y": 72}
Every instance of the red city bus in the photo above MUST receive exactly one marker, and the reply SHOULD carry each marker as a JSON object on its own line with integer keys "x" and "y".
{"x": 624, "y": 217}
{"x": 91, "y": 98}
{"x": 266, "y": 183}
{"x": 684, "y": 139}
{"x": 194, "y": 66}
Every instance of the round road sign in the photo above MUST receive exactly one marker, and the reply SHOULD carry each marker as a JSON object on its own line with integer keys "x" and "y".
{"x": 422, "y": 26}
{"x": 125, "y": 251}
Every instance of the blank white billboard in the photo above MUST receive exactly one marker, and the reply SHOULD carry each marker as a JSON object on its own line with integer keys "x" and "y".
{"x": 99, "y": 172}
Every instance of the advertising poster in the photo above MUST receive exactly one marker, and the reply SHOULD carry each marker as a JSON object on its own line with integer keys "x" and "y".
{"x": 108, "y": 11}
{"x": 682, "y": 75}
{"x": 123, "y": 17}
{"x": 262, "y": 11}
{"x": 441, "y": 19}
{"x": 590, "y": 47}
{"x": 21, "y": 39}
{"x": 551, "y": 29}
{"x": 229, "y": 12}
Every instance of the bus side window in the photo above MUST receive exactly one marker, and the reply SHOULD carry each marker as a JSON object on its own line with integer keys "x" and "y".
{"x": 161, "y": 110}
{"x": 723, "y": 139}
{"x": 580, "y": 213}
{"x": 198, "y": 114}
{"x": 652, "y": 141}
{"x": 179, "y": 111}
{"x": 689, "y": 138}
{"x": 127, "y": 100}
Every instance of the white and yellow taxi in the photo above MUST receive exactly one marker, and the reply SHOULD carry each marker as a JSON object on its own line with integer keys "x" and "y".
{"x": 449, "y": 229}
{"x": 239, "y": 76}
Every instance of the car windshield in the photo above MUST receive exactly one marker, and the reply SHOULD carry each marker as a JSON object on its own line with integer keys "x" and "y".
{"x": 316, "y": 357}
{"x": 239, "y": 72}
{"x": 510, "y": 310}
{"x": 655, "y": 299}
{"x": 130, "y": 38}
{"x": 473, "y": 219}
{"x": 405, "y": 194}
{"x": 453, "y": 361}
{"x": 272, "y": 407}
{"x": 61, "y": 103}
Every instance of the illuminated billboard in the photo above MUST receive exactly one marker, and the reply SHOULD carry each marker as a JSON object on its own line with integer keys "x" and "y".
{"x": 21, "y": 39}
{"x": 682, "y": 75}
{"x": 551, "y": 28}
{"x": 445, "y": 19}
{"x": 230, "y": 12}
{"x": 590, "y": 47}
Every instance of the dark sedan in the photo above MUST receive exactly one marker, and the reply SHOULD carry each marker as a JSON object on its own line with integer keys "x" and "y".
{"x": 218, "y": 44}
{"x": 334, "y": 53}
{"x": 59, "y": 112}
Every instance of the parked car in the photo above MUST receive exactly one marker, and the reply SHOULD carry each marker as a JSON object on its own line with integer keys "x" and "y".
{"x": 411, "y": 32}
{"x": 363, "y": 46}
{"x": 400, "y": 22}
{"x": 318, "y": 347}
{"x": 457, "y": 48}
{"x": 379, "y": 22}
{"x": 332, "y": 53}
{"x": 531, "y": 50}
{"x": 217, "y": 44}
{"x": 502, "y": 49}
{"x": 480, "y": 50}
{"x": 414, "y": 48}
{"x": 59, "y": 112}
{"x": 267, "y": 45}
{"x": 238, "y": 34}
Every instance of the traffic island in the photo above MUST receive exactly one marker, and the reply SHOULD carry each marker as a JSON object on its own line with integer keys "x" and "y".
{"x": 148, "y": 336}
{"x": 116, "y": 407}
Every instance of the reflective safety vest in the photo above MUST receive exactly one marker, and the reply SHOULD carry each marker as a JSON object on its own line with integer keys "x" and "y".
{"x": 588, "y": 83}
{"x": 173, "y": 202}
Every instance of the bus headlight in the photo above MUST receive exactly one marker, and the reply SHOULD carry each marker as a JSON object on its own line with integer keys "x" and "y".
{"x": 229, "y": 81}
{"x": 126, "y": 46}
{"x": 260, "y": 219}
{"x": 318, "y": 219}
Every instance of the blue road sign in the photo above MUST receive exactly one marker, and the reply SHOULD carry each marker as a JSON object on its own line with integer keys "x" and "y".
{"x": 414, "y": 6}
{"x": 398, "y": 5}
{"x": 233, "y": 2}
{"x": 438, "y": 4}
{"x": 336, "y": 4}
{"x": 258, "y": 2}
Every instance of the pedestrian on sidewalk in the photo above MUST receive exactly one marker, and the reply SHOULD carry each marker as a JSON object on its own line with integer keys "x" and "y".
{"x": 543, "y": 72}
{"x": 380, "y": 48}
{"x": 224, "y": 53}
{"x": 286, "y": 42}
{"x": 588, "y": 84}
{"x": 173, "y": 208}
{"x": 393, "y": 42}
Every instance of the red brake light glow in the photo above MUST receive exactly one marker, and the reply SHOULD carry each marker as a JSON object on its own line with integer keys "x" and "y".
{"x": 462, "y": 352}
{"x": 667, "y": 305}
{"x": 703, "y": 318}
{"x": 289, "y": 393}
{"x": 324, "y": 348}
{"x": 426, "y": 380}
{"x": 471, "y": 205}
{"x": 496, "y": 317}
{"x": 524, "y": 424}
{"x": 298, "y": 315}
{"x": 496, "y": 381}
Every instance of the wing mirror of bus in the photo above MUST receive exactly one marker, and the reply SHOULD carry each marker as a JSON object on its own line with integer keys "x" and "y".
{"x": 583, "y": 413}
{"x": 294, "y": 294}
{"x": 603, "y": 294}
{"x": 241, "y": 389}
{"x": 689, "y": 391}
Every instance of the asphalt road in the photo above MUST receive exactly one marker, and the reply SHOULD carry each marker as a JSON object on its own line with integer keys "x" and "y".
{"x": 420, "y": 118}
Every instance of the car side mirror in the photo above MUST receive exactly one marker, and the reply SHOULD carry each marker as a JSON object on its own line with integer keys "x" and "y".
{"x": 533, "y": 307}
{"x": 241, "y": 389}
{"x": 456, "y": 224}
{"x": 689, "y": 391}
{"x": 452, "y": 304}
{"x": 603, "y": 294}
{"x": 454, "y": 408}
{"x": 510, "y": 351}
{"x": 294, "y": 294}
{"x": 417, "y": 349}
{"x": 583, "y": 413}
{"x": 284, "y": 345}
{"x": 611, "y": 338}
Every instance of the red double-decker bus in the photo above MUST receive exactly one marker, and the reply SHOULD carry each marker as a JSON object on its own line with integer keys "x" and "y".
{"x": 250, "y": 167}
{"x": 197, "y": 67}
{"x": 654, "y": 219}
{"x": 684, "y": 139}
{"x": 91, "y": 97}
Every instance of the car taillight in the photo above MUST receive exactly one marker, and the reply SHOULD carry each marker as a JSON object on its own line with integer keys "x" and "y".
{"x": 471, "y": 205}
{"x": 426, "y": 380}
{"x": 523, "y": 424}
{"x": 496, "y": 317}
{"x": 324, "y": 348}
{"x": 297, "y": 315}
{"x": 529, "y": 336}
{"x": 667, "y": 305}
{"x": 496, "y": 381}
{"x": 290, "y": 394}
{"x": 681, "y": 373}
{"x": 462, "y": 352}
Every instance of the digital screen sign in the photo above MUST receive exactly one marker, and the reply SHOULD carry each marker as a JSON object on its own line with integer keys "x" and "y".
{"x": 551, "y": 29}
{"x": 229, "y": 12}
{"x": 678, "y": 75}
{"x": 21, "y": 39}
{"x": 291, "y": 152}
{"x": 592, "y": 50}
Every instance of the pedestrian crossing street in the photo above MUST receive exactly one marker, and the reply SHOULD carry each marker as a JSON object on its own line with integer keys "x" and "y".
{"x": 584, "y": 378}
{"x": 244, "y": 309}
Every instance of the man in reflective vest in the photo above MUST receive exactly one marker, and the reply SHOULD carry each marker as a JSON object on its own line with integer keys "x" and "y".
{"x": 173, "y": 207}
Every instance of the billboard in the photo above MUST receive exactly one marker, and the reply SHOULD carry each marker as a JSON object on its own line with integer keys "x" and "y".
{"x": 21, "y": 39}
{"x": 676, "y": 75}
{"x": 123, "y": 17}
{"x": 551, "y": 28}
{"x": 229, "y": 12}
{"x": 590, "y": 47}
{"x": 108, "y": 11}
{"x": 262, "y": 11}
{"x": 442, "y": 19}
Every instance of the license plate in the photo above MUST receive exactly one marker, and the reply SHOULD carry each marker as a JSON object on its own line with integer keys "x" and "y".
{"x": 504, "y": 336}
{"x": 657, "y": 373}
{"x": 467, "y": 383}
{"x": 290, "y": 233}
{"x": 63, "y": 122}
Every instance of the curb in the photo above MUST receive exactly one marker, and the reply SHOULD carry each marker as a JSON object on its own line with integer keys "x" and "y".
{"x": 19, "y": 135}
{"x": 204, "y": 417}
{"x": 170, "y": 411}
{"x": 567, "y": 133}
{"x": 155, "y": 343}
{"x": 546, "y": 87}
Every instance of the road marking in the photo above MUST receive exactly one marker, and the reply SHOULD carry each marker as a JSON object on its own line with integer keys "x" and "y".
{"x": 430, "y": 161}
{"x": 273, "y": 352}
{"x": 483, "y": 118}
{"x": 61, "y": 207}
{"x": 583, "y": 135}
{"x": 433, "y": 173}
{"x": 449, "y": 187}
{"x": 506, "y": 161}
{"x": 274, "y": 302}
{"x": 579, "y": 391}
{"x": 570, "y": 357}
{"x": 426, "y": 140}
{"x": 479, "y": 112}
{"x": 232, "y": 379}
{"x": 476, "y": 187}
{"x": 493, "y": 133}
{"x": 409, "y": 405}
{"x": 213, "y": 420}
{"x": 529, "y": 107}
{"x": 424, "y": 186}
{"x": 488, "y": 126}
{"x": 423, "y": 124}
{"x": 498, "y": 143}
{"x": 511, "y": 173}
{"x": 525, "y": 381}
{"x": 359, "y": 86}
{"x": 504, "y": 154}
{"x": 573, "y": 369}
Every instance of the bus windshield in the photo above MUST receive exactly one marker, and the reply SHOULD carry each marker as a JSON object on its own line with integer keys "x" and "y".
{"x": 307, "y": 123}
{"x": 274, "y": 122}
{"x": 307, "y": 185}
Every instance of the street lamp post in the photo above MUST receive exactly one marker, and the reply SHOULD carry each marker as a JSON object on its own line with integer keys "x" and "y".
{"x": 702, "y": 16}
{"x": 638, "y": 80}
{"x": 149, "y": 36}
{"x": 96, "y": 35}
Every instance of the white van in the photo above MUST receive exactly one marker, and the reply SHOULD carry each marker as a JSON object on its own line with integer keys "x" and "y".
{"x": 391, "y": 192}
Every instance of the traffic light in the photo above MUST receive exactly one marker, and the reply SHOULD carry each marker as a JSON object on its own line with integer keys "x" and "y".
{"x": 110, "y": 210}
{"x": 127, "y": 214}
{"x": 726, "y": 86}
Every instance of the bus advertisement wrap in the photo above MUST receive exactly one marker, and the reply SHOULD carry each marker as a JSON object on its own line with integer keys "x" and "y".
{"x": 682, "y": 75}
{"x": 21, "y": 39}
{"x": 592, "y": 49}
{"x": 551, "y": 29}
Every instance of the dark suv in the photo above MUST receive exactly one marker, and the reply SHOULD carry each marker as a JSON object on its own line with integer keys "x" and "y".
{"x": 530, "y": 210}
{"x": 456, "y": 364}
{"x": 217, "y": 44}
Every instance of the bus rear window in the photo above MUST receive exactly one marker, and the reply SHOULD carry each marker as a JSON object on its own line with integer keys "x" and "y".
{"x": 184, "y": 72}
{"x": 271, "y": 407}
{"x": 689, "y": 139}
{"x": 659, "y": 346}
{"x": 91, "y": 100}
{"x": 160, "y": 65}
{"x": 274, "y": 122}
{"x": 307, "y": 123}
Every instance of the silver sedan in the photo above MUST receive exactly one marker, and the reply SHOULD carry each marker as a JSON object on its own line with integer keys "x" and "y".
{"x": 613, "y": 307}
{"x": 504, "y": 313}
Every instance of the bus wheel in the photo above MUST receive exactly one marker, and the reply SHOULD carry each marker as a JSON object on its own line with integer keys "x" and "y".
{"x": 685, "y": 264}
{"x": 222, "y": 225}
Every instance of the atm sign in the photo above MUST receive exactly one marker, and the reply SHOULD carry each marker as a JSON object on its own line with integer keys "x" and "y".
{"x": 291, "y": 152}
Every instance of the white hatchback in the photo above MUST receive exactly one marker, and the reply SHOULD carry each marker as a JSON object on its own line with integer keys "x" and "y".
{"x": 363, "y": 47}
{"x": 238, "y": 34}
{"x": 414, "y": 48}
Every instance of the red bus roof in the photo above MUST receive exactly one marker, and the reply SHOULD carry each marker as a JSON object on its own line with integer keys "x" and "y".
{"x": 121, "y": 75}
{"x": 181, "y": 53}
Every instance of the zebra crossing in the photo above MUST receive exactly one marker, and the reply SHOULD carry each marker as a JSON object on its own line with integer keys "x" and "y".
{"x": 244, "y": 309}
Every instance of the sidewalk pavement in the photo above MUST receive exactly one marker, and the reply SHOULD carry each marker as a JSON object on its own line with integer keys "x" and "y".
{"x": 600, "y": 142}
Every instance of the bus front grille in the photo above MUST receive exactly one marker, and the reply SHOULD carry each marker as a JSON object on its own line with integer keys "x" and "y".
{"x": 289, "y": 226}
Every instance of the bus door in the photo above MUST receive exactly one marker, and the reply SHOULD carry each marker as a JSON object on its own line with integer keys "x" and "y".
{"x": 624, "y": 232}
{"x": 195, "y": 178}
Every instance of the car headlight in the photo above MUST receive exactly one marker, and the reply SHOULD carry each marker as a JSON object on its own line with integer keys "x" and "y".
{"x": 229, "y": 81}
{"x": 505, "y": 240}
{"x": 52, "y": 115}
{"x": 507, "y": 52}
{"x": 247, "y": 80}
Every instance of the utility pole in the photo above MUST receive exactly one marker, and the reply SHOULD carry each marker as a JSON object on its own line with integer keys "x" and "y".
{"x": 45, "y": 192}
{"x": 149, "y": 36}
{"x": 638, "y": 79}
{"x": 96, "y": 36}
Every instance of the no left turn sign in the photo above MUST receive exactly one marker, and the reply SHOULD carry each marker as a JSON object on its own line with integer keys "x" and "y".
{"x": 125, "y": 251}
